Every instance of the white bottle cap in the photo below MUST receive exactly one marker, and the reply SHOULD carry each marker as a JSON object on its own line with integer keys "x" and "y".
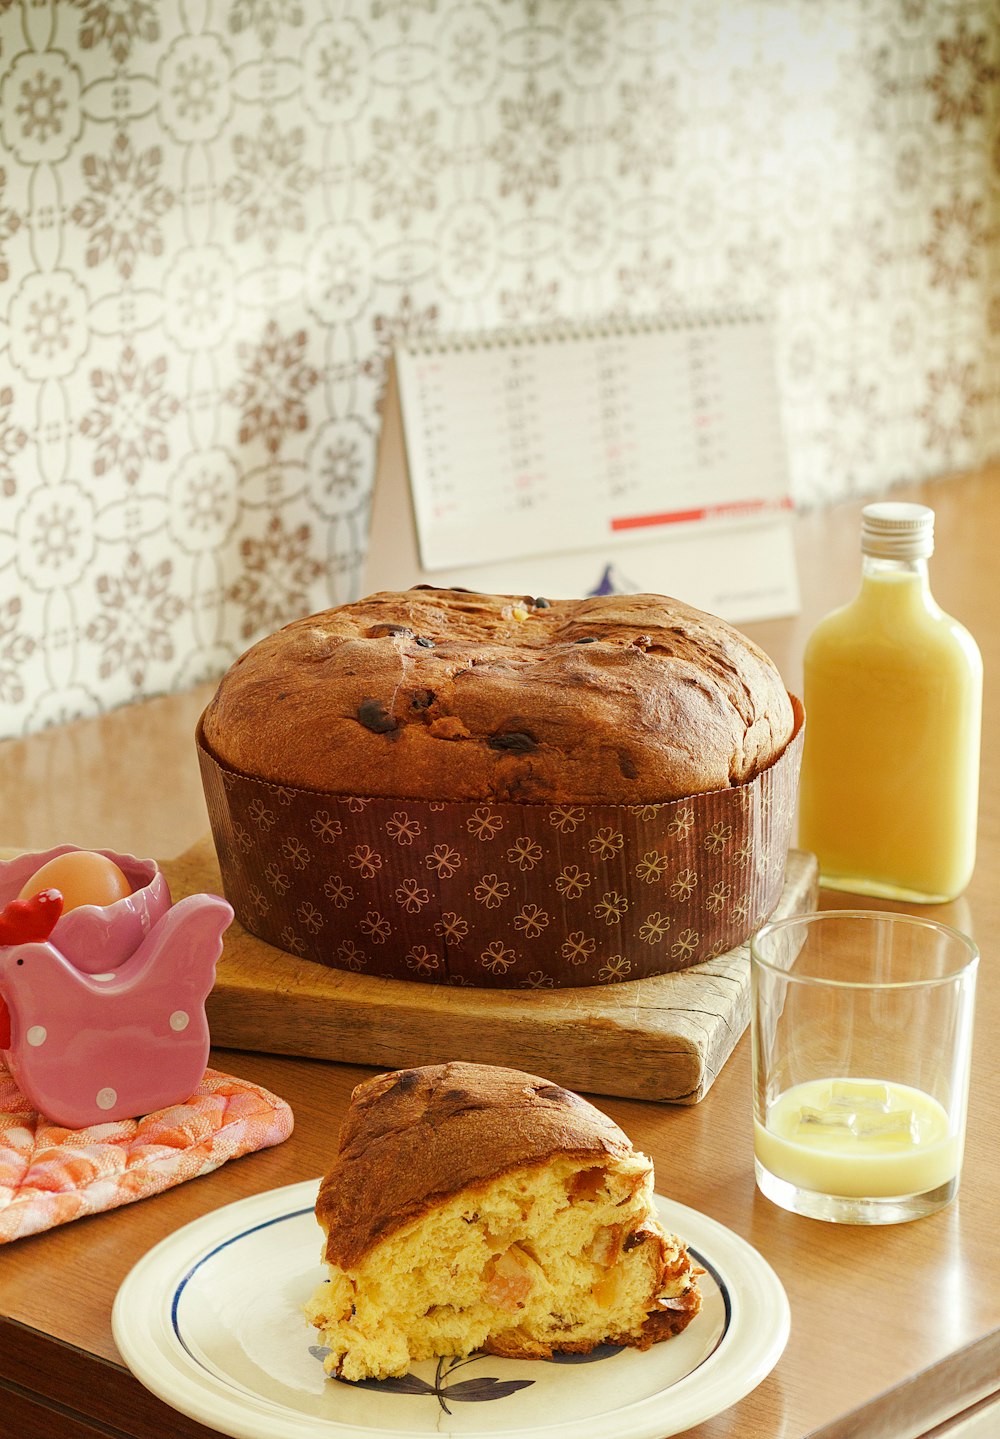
{"x": 895, "y": 531}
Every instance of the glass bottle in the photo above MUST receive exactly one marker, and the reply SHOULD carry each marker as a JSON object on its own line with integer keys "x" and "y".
{"x": 893, "y": 699}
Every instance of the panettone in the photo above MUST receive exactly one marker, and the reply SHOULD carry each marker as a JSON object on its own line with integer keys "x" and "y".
{"x": 473, "y": 1207}
{"x": 449, "y": 695}
{"x": 498, "y": 791}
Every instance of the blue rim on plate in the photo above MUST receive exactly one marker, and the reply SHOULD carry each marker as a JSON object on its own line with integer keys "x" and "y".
{"x": 210, "y": 1321}
{"x": 411, "y": 1384}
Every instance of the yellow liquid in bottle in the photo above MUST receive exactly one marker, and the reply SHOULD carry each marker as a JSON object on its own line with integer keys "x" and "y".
{"x": 890, "y": 770}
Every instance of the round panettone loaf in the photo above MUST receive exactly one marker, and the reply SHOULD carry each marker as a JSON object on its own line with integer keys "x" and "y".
{"x": 475, "y": 1207}
{"x": 450, "y": 695}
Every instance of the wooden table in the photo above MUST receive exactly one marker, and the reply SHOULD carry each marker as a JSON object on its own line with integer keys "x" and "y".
{"x": 902, "y": 1322}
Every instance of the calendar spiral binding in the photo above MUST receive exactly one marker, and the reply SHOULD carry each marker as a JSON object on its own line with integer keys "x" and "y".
{"x": 607, "y": 328}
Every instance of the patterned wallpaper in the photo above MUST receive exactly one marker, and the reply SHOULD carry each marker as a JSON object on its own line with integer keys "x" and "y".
{"x": 215, "y": 218}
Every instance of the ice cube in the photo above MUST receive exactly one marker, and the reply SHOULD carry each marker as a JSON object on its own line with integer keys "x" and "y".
{"x": 855, "y": 1094}
{"x": 893, "y": 1124}
{"x": 825, "y": 1121}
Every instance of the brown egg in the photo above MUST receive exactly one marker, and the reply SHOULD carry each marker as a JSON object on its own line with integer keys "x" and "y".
{"x": 81, "y": 877}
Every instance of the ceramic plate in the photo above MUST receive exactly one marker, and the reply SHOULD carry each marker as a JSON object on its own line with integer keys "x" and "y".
{"x": 211, "y": 1321}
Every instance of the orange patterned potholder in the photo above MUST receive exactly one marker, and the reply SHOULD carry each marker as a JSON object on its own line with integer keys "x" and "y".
{"x": 50, "y": 1175}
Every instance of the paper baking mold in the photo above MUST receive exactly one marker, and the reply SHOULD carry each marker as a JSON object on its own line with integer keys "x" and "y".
{"x": 502, "y": 895}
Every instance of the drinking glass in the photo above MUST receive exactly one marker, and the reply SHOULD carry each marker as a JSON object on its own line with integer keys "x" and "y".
{"x": 861, "y": 1031}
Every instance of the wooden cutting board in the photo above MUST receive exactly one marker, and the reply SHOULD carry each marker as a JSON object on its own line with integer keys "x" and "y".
{"x": 661, "y": 1039}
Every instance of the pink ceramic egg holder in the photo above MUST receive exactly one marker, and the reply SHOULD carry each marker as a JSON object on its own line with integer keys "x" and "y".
{"x": 103, "y": 1018}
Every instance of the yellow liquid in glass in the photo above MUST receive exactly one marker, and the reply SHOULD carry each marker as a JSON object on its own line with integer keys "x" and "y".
{"x": 890, "y": 770}
{"x": 832, "y": 1159}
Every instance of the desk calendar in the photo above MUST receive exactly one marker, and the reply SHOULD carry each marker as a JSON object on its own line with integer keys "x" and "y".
{"x": 589, "y": 460}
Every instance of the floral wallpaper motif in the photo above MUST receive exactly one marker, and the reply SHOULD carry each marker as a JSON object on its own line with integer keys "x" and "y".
{"x": 216, "y": 218}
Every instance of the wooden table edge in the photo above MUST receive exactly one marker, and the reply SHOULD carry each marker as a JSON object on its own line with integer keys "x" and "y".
{"x": 114, "y": 1402}
{"x": 940, "y": 1392}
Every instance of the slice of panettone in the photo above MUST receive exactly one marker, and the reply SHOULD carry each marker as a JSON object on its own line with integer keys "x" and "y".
{"x": 473, "y": 1207}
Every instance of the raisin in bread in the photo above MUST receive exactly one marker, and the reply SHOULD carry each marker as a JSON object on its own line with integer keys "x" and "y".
{"x": 448, "y": 695}
{"x": 472, "y": 1207}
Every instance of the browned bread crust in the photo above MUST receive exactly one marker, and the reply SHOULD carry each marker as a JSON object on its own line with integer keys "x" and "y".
{"x": 444, "y": 694}
{"x": 415, "y": 1136}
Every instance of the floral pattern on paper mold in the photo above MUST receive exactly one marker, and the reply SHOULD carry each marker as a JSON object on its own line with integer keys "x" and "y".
{"x": 470, "y": 893}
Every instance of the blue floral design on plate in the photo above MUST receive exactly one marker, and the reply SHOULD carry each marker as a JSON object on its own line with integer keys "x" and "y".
{"x": 467, "y": 1391}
